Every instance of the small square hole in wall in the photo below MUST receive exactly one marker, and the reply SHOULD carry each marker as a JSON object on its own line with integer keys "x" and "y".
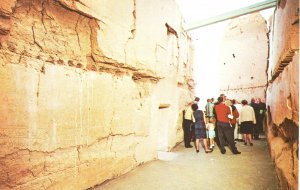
{"x": 162, "y": 106}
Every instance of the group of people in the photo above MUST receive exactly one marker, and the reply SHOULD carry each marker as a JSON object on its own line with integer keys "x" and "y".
{"x": 222, "y": 122}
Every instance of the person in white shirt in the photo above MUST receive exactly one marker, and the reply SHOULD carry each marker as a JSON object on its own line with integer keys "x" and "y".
{"x": 237, "y": 135}
{"x": 247, "y": 120}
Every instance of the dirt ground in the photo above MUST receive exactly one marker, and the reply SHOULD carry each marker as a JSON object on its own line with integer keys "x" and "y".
{"x": 183, "y": 168}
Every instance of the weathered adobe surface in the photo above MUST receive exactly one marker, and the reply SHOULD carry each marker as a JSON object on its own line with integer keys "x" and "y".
{"x": 283, "y": 93}
{"x": 79, "y": 108}
{"x": 241, "y": 65}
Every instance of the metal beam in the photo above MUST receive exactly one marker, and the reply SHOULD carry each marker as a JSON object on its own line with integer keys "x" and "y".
{"x": 232, "y": 14}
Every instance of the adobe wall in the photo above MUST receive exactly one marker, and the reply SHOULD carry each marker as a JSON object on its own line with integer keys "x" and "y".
{"x": 243, "y": 58}
{"x": 283, "y": 93}
{"x": 89, "y": 89}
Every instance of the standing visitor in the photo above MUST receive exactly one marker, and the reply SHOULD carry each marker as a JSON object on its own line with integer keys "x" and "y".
{"x": 211, "y": 132}
{"x": 223, "y": 96}
{"x": 188, "y": 120}
{"x": 200, "y": 128}
{"x": 256, "y": 108}
{"x": 209, "y": 108}
{"x": 216, "y": 124}
{"x": 213, "y": 101}
{"x": 247, "y": 121}
{"x": 234, "y": 115}
{"x": 261, "y": 117}
{"x": 237, "y": 134}
{"x": 223, "y": 126}
{"x": 193, "y": 139}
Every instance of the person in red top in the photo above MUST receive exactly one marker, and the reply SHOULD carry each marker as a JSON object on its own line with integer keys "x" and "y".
{"x": 223, "y": 114}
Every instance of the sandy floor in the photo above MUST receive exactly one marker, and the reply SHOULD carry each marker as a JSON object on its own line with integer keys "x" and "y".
{"x": 185, "y": 169}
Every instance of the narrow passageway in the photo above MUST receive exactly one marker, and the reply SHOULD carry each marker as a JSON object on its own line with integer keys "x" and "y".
{"x": 95, "y": 100}
{"x": 183, "y": 168}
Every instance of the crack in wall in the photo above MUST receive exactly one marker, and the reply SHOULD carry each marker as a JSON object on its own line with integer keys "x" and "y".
{"x": 72, "y": 7}
{"x": 76, "y": 30}
{"x": 34, "y": 40}
{"x": 99, "y": 62}
{"x": 133, "y": 30}
{"x": 43, "y": 12}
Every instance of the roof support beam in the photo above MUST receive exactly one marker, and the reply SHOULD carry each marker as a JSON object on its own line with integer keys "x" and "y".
{"x": 232, "y": 14}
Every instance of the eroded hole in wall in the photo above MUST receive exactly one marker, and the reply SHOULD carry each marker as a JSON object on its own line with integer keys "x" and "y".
{"x": 79, "y": 65}
{"x": 162, "y": 106}
{"x": 252, "y": 78}
{"x": 224, "y": 63}
{"x": 43, "y": 69}
{"x": 171, "y": 30}
{"x": 233, "y": 55}
{"x": 287, "y": 130}
{"x": 180, "y": 84}
{"x": 289, "y": 102}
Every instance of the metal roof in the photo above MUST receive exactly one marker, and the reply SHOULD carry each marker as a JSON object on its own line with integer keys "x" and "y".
{"x": 232, "y": 14}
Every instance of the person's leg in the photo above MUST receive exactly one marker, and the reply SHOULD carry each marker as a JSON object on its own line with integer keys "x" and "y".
{"x": 240, "y": 135}
{"x": 250, "y": 139}
{"x": 189, "y": 136}
{"x": 245, "y": 139}
{"x": 255, "y": 130}
{"x": 186, "y": 132}
{"x": 193, "y": 137}
{"x": 213, "y": 142}
{"x": 208, "y": 137}
{"x": 206, "y": 146}
{"x": 217, "y": 135}
{"x": 236, "y": 131}
{"x": 221, "y": 139}
{"x": 230, "y": 139}
{"x": 260, "y": 126}
{"x": 197, "y": 144}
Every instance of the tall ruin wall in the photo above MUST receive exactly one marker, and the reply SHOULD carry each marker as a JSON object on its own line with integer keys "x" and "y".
{"x": 283, "y": 93}
{"x": 243, "y": 58}
{"x": 89, "y": 89}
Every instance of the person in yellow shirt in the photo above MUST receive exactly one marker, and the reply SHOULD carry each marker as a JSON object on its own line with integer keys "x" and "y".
{"x": 187, "y": 125}
{"x": 188, "y": 120}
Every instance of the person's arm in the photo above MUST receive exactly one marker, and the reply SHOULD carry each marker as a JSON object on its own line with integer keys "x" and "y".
{"x": 204, "y": 118}
{"x": 228, "y": 111}
{"x": 241, "y": 116}
{"x": 214, "y": 112}
{"x": 193, "y": 118}
{"x": 235, "y": 113}
{"x": 253, "y": 116}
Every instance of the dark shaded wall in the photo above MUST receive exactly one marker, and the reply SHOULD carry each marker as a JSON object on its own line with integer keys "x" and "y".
{"x": 283, "y": 92}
